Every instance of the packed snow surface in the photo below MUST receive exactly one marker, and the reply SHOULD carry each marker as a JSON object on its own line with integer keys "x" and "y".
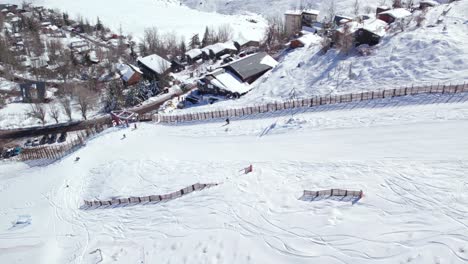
{"x": 409, "y": 159}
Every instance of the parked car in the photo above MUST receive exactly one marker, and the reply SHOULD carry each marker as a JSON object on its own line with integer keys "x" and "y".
{"x": 28, "y": 143}
{"x": 52, "y": 139}
{"x": 43, "y": 140}
{"x": 62, "y": 138}
{"x": 35, "y": 142}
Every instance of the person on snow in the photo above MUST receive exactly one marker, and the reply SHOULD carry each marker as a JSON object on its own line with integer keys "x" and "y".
{"x": 227, "y": 121}
{"x": 124, "y": 136}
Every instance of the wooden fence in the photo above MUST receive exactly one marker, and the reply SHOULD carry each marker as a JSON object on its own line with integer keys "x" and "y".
{"x": 315, "y": 101}
{"x": 147, "y": 199}
{"x": 59, "y": 150}
{"x": 333, "y": 192}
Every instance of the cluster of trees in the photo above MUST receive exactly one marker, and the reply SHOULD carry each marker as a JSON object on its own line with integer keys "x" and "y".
{"x": 82, "y": 98}
{"x": 211, "y": 36}
{"x": 170, "y": 45}
{"x": 275, "y": 34}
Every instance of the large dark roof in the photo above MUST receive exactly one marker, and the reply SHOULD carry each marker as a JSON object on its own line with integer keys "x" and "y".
{"x": 249, "y": 66}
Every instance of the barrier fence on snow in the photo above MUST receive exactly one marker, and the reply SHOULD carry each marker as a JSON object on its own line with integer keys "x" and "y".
{"x": 333, "y": 192}
{"x": 59, "y": 150}
{"x": 148, "y": 199}
{"x": 315, "y": 101}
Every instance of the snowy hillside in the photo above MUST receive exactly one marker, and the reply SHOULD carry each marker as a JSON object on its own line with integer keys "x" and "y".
{"x": 414, "y": 210}
{"x": 275, "y": 7}
{"x": 167, "y": 16}
{"x": 434, "y": 53}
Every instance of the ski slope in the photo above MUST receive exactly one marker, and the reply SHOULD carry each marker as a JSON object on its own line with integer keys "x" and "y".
{"x": 410, "y": 161}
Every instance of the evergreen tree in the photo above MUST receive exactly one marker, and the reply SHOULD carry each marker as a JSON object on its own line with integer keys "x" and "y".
{"x": 194, "y": 41}
{"x": 207, "y": 38}
{"x": 99, "y": 26}
{"x": 182, "y": 47}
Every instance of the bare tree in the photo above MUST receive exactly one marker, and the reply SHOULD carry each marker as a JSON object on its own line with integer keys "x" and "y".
{"x": 409, "y": 4}
{"x": 368, "y": 9}
{"x": 356, "y": 7}
{"x": 38, "y": 111}
{"x": 346, "y": 38}
{"x": 86, "y": 100}
{"x": 65, "y": 67}
{"x": 420, "y": 18}
{"x": 55, "y": 48}
{"x": 397, "y": 4}
{"x": 275, "y": 33}
{"x": 65, "y": 102}
{"x": 331, "y": 12}
{"x": 224, "y": 33}
{"x": 54, "y": 112}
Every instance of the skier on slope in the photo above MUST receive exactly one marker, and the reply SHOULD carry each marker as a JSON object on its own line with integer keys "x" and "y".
{"x": 227, "y": 121}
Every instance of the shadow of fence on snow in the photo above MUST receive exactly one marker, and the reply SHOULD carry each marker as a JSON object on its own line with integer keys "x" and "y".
{"x": 152, "y": 199}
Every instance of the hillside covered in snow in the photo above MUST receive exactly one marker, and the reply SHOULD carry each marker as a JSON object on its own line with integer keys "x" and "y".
{"x": 167, "y": 16}
{"x": 436, "y": 52}
{"x": 277, "y": 7}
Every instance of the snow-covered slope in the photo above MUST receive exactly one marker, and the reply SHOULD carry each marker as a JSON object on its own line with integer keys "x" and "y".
{"x": 419, "y": 55}
{"x": 167, "y": 16}
{"x": 415, "y": 208}
{"x": 276, "y": 7}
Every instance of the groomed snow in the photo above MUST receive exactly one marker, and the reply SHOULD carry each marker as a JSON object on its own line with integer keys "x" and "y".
{"x": 410, "y": 161}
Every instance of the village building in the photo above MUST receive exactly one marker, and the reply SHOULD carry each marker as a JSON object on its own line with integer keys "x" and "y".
{"x": 339, "y": 20}
{"x": 243, "y": 43}
{"x": 153, "y": 66}
{"x": 250, "y": 68}
{"x": 370, "y": 32}
{"x": 79, "y": 46}
{"x": 217, "y": 50}
{"x": 296, "y": 19}
{"x": 381, "y": 9}
{"x": 34, "y": 92}
{"x": 391, "y": 16}
{"x": 306, "y": 39}
{"x": 427, "y": 3}
{"x": 222, "y": 82}
{"x": 309, "y": 17}
{"x": 177, "y": 65}
{"x": 293, "y": 21}
{"x": 193, "y": 55}
{"x": 130, "y": 74}
{"x": 5, "y": 8}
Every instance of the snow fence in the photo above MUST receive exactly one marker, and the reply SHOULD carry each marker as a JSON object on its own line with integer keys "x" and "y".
{"x": 147, "y": 199}
{"x": 315, "y": 101}
{"x": 331, "y": 193}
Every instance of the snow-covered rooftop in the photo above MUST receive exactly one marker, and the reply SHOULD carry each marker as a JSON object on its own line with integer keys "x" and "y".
{"x": 155, "y": 63}
{"x": 397, "y": 13}
{"x": 293, "y": 12}
{"x": 311, "y": 11}
{"x": 375, "y": 26}
{"x": 309, "y": 38}
{"x": 230, "y": 82}
{"x": 193, "y": 53}
{"x": 429, "y": 2}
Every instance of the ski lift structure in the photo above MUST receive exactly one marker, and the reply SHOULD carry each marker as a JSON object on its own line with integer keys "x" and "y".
{"x": 123, "y": 117}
